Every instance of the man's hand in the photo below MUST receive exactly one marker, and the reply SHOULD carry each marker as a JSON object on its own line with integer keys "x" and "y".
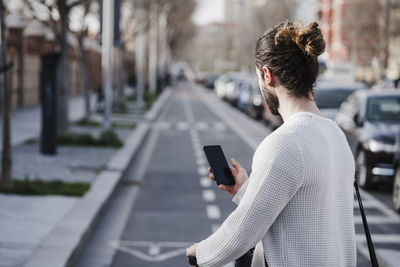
{"x": 191, "y": 251}
{"x": 240, "y": 175}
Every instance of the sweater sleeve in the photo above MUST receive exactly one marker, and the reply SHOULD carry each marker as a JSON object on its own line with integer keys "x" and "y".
{"x": 277, "y": 174}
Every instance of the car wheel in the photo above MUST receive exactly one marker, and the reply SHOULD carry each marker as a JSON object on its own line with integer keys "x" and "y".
{"x": 396, "y": 191}
{"x": 362, "y": 175}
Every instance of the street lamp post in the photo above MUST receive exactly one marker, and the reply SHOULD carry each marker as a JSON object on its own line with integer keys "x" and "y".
{"x": 140, "y": 53}
{"x": 106, "y": 62}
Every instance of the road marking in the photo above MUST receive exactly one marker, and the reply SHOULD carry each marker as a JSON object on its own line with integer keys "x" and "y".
{"x": 182, "y": 125}
{"x": 366, "y": 204}
{"x": 201, "y": 125}
{"x": 380, "y": 238}
{"x": 205, "y": 181}
{"x": 214, "y": 227}
{"x": 213, "y": 212}
{"x": 201, "y": 161}
{"x": 163, "y": 125}
{"x": 219, "y": 126}
{"x": 202, "y": 170}
{"x": 153, "y": 249}
{"x": 376, "y": 219}
{"x": 209, "y": 195}
{"x": 237, "y": 129}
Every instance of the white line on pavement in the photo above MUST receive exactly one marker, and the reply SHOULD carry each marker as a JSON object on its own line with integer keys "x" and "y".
{"x": 380, "y": 238}
{"x": 209, "y": 195}
{"x": 219, "y": 125}
{"x": 201, "y": 125}
{"x": 205, "y": 181}
{"x": 213, "y": 212}
{"x": 202, "y": 170}
{"x": 214, "y": 227}
{"x": 182, "y": 125}
{"x": 376, "y": 219}
{"x": 201, "y": 161}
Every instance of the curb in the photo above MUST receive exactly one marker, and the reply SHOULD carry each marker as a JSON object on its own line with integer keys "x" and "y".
{"x": 68, "y": 237}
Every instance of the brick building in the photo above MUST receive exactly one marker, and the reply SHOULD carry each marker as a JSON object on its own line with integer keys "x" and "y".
{"x": 355, "y": 32}
{"x": 27, "y": 41}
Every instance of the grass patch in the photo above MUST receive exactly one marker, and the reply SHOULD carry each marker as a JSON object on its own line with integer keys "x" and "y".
{"x": 107, "y": 139}
{"x": 150, "y": 98}
{"x": 40, "y": 187}
{"x": 88, "y": 123}
{"x": 123, "y": 126}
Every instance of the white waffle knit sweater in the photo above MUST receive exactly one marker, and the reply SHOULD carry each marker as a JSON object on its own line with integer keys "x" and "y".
{"x": 298, "y": 201}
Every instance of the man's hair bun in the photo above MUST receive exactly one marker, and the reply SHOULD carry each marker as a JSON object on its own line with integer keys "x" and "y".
{"x": 308, "y": 38}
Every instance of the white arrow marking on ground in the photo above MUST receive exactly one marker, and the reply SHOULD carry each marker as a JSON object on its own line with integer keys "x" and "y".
{"x": 154, "y": 249}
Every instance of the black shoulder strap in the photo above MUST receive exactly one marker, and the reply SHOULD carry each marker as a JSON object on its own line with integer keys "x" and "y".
{"x": 371, "y": 248}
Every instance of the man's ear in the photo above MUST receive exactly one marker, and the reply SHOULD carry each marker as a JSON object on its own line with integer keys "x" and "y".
{"x": 267, "y": 76}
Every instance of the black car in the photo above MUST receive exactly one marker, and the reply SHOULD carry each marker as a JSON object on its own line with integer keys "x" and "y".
{"x": 329, "y": 95}
{"x": 396, "y": 181}
{"x": 371, "y": 121}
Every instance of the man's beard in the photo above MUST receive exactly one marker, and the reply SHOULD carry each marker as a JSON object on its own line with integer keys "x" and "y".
{"x": 273, "y": 103}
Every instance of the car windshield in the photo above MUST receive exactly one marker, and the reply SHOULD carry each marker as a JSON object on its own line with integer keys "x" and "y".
{"x": 331, "y": 98}
{"x": 384, "y": 108}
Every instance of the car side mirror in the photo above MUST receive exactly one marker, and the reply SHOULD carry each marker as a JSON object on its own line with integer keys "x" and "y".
{"x": 357, "y": 120}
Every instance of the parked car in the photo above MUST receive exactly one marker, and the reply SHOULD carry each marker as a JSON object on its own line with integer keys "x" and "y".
{"x": 329, "y": 95}
{"x": 209, "y": 80}
{"x": 371, "y": 120}
{"x": 396, "y": 180}
{"x": 244, "y": 94}
{"x": 220, "y": 85}
{"x": 233, "y": 88}
{"x": 255, "y": 108}
{"x": 274, "y": 121}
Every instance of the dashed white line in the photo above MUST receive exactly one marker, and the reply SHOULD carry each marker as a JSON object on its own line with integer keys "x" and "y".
{"x": 214, "y": 227}
{"x": 201, "y": 125}
{"x": 200, "y": 161}
{"x": 182, "y": 125}
{"x": 209, "y": 195}
{"x": 376, "y": 219}
{"x": 213, "y": 212}
{"x": 218, "y": 125}
{"x": 202, "y": 171}
{"x": 380, "y": 238}
{"x": 205, "y": 181}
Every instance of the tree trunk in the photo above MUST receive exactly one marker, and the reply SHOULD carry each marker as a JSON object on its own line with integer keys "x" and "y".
{"x": 6, "y": 152}
{"x": 62, "y": 72}
{"x": 86, "y": 81}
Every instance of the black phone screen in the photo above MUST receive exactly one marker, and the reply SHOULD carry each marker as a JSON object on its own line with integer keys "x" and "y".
{"x": 219, "y": 165}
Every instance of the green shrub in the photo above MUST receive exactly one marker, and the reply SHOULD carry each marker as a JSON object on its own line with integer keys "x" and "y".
{"x": 40, "y": 187}
{"x": 87, "y": 122}
{"x": 107, "y": 138}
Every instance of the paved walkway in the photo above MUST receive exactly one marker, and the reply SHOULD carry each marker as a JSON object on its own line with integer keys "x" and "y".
{"x": 26, "y": 122}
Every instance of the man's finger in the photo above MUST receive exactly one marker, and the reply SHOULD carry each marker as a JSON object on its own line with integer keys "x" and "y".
{"x": 212, "y": 176}
{"x": 235, "y": 163}
{"x": 209, "y": 169}
{"x": 223, "y": 187}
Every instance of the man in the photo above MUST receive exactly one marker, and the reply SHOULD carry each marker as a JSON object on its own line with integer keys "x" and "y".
{"x": 298, "y": 200}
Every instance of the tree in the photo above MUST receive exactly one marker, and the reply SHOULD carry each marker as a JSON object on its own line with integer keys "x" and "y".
{"x": 80, "y": 35}
{"x": 6, "y": 99}
{"x": 56, "y": 16}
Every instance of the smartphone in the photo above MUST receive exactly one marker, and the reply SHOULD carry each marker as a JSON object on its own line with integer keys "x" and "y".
{"x": 219, "y": 166}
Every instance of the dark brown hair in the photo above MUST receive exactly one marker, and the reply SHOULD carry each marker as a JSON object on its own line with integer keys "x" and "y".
{"x": 290, "y": 52}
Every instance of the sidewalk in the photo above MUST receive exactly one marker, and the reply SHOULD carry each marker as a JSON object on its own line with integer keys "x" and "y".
{"x": 26, "y": 121}
{"x": 48, "y": 230}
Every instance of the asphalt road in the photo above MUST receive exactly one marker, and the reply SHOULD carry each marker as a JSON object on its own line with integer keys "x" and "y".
{"x": 167, "y": 202}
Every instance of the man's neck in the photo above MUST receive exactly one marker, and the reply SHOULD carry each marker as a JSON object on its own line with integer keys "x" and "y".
{"x": 289, "y": 105}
